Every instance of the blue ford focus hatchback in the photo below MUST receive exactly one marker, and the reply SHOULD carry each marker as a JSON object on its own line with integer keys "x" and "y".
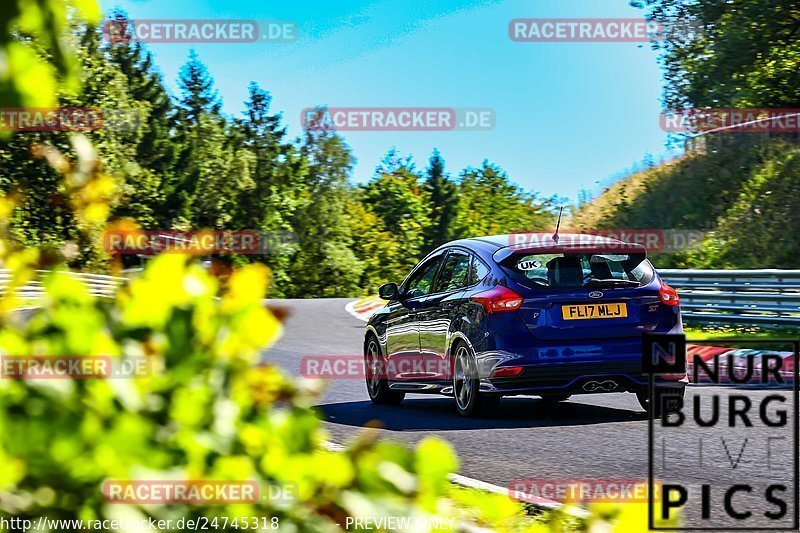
{"x": 521, "y": 314}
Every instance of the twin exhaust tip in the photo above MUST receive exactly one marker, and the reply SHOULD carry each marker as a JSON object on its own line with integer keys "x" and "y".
{"x": 604, "y": 386}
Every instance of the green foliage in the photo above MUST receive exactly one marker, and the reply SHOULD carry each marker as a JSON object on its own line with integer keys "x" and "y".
{"x": 410, "y": 214}
{"x": 687, "y": 193}
{"x": 220, "y": 168}
{"x": 489, "y": 204}
{"x": 769, "y": 334}
{"x": 444, "y": 203}
{"x": 182, "y": 164}
{"x": 760, "y": 226}
{"x": 79, "y": 433}
{"x": 743, "y": 191}
{"x": 379, "y": 251}
{"x": 150, "y": 177}
{"x": 198, "y": 95}
{"x": 743, "y": 196}
{"x": 324, "y": 264}
{"x": 201, "y": 407}
{"x": 723, "y": 53}
{"x": 26, "y": 80}
{"x": 276, "y": 195}
{"x": 200, "y": 411}
{"x": 403, "y": 205}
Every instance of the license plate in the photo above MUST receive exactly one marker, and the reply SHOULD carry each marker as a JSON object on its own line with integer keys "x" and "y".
{"x": 586, "y": 311}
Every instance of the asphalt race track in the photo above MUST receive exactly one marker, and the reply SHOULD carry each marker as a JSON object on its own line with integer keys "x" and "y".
{"x": 603, "y": 436}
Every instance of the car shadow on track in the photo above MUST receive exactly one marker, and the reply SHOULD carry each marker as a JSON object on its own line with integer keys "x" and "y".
{"x": 440, "y": 414}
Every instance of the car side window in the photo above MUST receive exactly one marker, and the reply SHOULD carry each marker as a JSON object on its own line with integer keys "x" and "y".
{"x": 421, "y": 282}
{"x": 478, "y": 271}
{"x": 454, "y": 272}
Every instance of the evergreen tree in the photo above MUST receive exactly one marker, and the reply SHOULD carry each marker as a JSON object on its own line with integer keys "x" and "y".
{"x": 198, "y": 94}
{"x": 443, "y": 201}
{"x": 184, "y": 165}
{"x": 270, "y": 206}
{"x": 208, "y": 163}
{"x": 222, "y": 173}
{"x": 263, "y": 137}
{"x": 157, "y": 148}
{"x": 324, "y": 264}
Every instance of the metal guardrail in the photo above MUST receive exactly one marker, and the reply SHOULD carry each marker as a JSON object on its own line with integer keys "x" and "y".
{"x": 99, "y": 285}
{"x": 766, "y": 297}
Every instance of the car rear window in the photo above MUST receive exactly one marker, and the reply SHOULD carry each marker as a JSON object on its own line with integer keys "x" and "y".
{"x": 601, "y": 270}
{"x": 478, "y": 271}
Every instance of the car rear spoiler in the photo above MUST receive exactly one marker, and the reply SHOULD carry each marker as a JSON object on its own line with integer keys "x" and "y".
{"x": 582, "y": 245}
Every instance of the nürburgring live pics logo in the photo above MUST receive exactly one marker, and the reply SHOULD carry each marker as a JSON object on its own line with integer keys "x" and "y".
{"x": 723, "y": 456}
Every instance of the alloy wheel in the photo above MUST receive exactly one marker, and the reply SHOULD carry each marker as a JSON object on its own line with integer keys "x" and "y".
{"x": 373, "y": 368}
{"x": 462, "y": 378}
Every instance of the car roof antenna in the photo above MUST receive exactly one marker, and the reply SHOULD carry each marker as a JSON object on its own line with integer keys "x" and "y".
{"x": 558, "y": 225}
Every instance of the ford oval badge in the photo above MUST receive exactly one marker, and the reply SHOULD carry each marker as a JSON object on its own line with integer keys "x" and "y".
{"x": 595, "y": 294}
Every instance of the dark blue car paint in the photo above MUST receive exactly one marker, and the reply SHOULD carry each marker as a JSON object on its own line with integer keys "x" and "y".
{"x": 558, "y": 355}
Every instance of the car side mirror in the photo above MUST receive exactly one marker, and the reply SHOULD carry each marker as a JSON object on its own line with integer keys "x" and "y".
{"x": 389, "y": 291}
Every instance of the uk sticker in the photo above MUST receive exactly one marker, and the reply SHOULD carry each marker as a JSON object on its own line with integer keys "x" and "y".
{"x": 528, "y": 264}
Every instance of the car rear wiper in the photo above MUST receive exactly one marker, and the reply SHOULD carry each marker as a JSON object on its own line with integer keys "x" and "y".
{"x": 594, "y": 282}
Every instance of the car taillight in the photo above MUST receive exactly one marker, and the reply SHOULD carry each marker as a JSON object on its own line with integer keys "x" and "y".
{"x": 668, "y": 295}
{"x": 507, "y": 372}
{"x": 498, "y": 299}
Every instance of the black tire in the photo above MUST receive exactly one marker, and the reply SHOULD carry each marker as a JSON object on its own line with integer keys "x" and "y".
{"x": 377, "y": 388}
{"x": 470, "y": 402}
{"x": 644, "y": 398}
{"x": 552, "y": 398}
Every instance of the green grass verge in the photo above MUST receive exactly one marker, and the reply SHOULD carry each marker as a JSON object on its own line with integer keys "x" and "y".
{"x": 703, "y": 333}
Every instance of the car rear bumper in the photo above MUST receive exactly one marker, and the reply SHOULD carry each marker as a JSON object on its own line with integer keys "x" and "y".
{"x": 618, "y": 374}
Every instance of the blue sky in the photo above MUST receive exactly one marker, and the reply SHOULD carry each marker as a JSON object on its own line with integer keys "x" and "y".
{"x": 568, "y": 115}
